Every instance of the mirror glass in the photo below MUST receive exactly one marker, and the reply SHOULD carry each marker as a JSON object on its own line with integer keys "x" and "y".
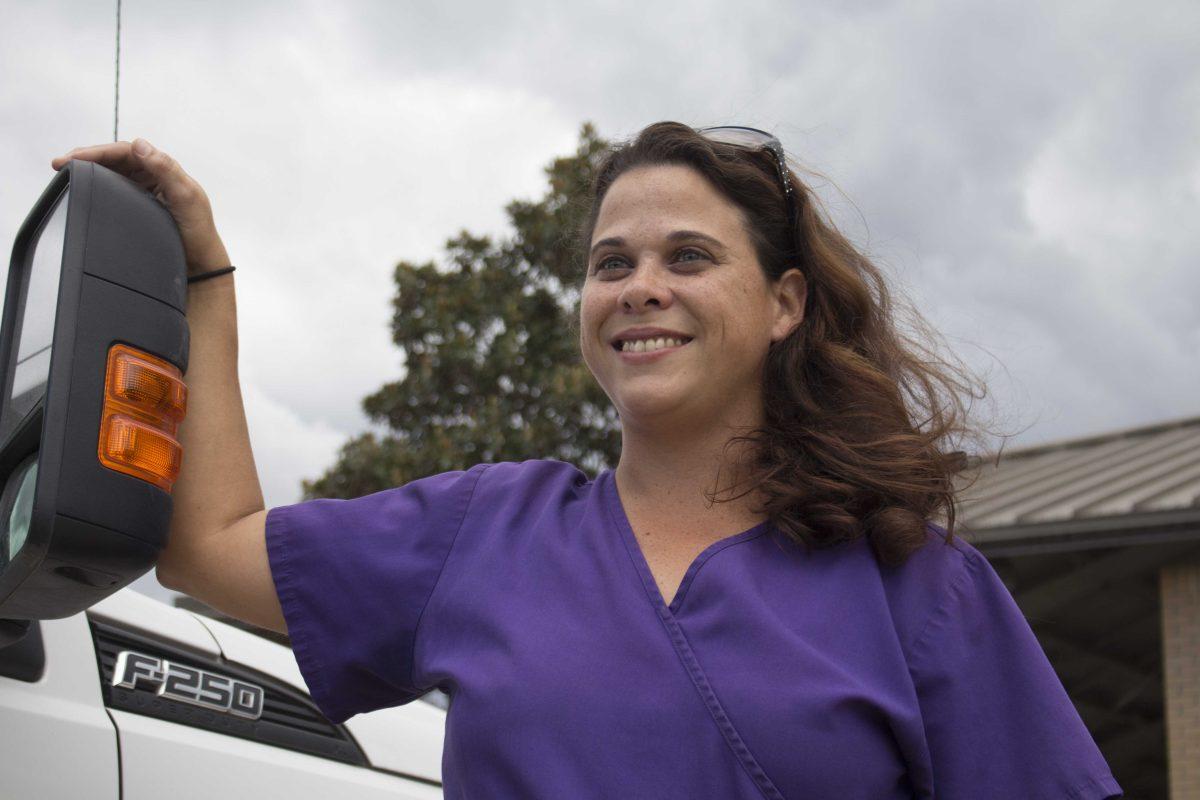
{"x": 36, "y": 322}
{"x": 16, "y": 510}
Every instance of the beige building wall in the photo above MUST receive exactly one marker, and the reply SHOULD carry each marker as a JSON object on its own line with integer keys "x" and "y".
{"x": 1180, "y": 593}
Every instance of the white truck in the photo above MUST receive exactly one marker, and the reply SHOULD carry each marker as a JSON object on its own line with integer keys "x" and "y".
{"x": 126, "y": 701}
{"x": 106, "y": 693}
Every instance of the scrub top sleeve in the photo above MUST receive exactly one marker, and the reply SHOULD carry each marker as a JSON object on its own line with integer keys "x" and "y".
{"x": 353, "y": 578}
{"x": 998, "y": 722}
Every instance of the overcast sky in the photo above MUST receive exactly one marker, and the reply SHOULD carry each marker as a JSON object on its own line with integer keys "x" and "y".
{"x": 1027, "y": 172}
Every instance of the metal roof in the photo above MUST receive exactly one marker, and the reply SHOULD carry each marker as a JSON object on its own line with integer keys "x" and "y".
{"x": 1078, "y": 531}
{"x": 1137, "y": 479}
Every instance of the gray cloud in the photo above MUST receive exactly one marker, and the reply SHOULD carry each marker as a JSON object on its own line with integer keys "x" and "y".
{"x": 1027, "y": 172}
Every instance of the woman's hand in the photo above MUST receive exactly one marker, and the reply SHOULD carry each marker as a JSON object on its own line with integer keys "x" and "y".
{"x": 160, "y": 174}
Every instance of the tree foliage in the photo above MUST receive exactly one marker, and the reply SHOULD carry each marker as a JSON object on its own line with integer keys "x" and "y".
{"x": 490, "y": 341}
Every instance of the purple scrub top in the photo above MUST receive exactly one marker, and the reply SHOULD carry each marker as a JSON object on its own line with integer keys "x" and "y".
{"x": 521, "y": 590}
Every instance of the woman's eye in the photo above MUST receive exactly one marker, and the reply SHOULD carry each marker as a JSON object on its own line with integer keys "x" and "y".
{"x": 605, "y": 263}
{"x": 691, "y": 254}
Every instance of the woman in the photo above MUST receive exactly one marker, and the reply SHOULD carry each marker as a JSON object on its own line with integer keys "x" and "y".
{"x": 752, "y": 604}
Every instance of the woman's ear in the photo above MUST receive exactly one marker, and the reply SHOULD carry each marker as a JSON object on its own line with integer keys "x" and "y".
{"x": 791, "y": 292}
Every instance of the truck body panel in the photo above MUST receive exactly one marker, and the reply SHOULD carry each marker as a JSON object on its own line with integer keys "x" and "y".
{"x": 58, "y": 738}
{"x": 116, "y": 752}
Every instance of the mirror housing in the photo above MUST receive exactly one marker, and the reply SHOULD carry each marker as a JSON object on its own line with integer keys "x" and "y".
{"x": 73, "y": 527}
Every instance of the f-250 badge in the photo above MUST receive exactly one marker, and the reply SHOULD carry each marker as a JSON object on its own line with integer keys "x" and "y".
{"x": 188, "y": 685}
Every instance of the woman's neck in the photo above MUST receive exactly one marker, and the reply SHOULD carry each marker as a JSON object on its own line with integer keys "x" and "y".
{"x": 666, "y": 476}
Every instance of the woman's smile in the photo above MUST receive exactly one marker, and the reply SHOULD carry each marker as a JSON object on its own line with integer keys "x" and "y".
{"x": 645, "y": 351}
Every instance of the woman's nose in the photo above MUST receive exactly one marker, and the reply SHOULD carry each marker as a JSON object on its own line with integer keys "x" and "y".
{"x": 645, "y": 288}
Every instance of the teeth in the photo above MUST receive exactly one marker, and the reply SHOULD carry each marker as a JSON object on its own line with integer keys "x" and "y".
{"x": 649, "y": 345}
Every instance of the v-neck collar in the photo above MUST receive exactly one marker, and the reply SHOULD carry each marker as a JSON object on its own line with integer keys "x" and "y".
{"x": 666, "y": 615}
{"x": 620, "y": 520}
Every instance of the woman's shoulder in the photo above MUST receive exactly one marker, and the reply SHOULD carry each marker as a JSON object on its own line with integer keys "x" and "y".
{"x": 929, "y": 580}
{"x": 517, "y": 488}
{"x": 532, "y": 470}
{"x": 531, "y": 477}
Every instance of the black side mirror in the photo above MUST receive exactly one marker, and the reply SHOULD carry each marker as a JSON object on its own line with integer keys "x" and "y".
{"x": 93, "y": 348}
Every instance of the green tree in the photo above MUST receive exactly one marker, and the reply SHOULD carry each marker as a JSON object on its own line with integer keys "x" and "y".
{"x": 490, "y": 342}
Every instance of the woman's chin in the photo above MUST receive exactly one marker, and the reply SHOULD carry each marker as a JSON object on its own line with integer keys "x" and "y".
{"x": 652, "y": 408}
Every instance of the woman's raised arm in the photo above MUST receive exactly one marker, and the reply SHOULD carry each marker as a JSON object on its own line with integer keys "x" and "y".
{"x": 216, "y": 549}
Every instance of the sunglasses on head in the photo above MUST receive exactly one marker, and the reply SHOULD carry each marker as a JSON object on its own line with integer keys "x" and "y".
{"x": 753, "y": 139}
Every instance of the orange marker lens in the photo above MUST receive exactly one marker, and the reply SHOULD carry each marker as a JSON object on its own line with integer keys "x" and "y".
{"x": 137, "y": 449}
{"x": 147, "y": 386}
{"x": 145, "y": 399}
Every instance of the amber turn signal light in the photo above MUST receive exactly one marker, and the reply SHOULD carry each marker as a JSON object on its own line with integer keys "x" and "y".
{"x": 145, "y": 399}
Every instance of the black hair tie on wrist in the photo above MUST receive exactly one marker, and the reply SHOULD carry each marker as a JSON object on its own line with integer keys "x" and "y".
{"x": 206, "y": 275}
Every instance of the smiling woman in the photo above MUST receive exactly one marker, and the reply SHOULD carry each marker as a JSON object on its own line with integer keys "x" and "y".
{"x": 842, "y": 426}
{"x": 813, "y": 635}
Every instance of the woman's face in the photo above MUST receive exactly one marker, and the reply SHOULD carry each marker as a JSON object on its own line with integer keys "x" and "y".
{"x": 671, "y": 259}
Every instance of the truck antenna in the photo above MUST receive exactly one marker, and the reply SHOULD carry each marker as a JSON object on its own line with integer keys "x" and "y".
{"x": 117, "y": 86}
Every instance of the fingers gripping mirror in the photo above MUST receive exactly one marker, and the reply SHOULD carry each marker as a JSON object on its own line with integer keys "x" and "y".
{"x": 93, "y": 347}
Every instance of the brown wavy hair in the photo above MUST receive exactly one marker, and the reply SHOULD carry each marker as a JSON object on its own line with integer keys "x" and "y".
{"x": 861, "y": 418}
